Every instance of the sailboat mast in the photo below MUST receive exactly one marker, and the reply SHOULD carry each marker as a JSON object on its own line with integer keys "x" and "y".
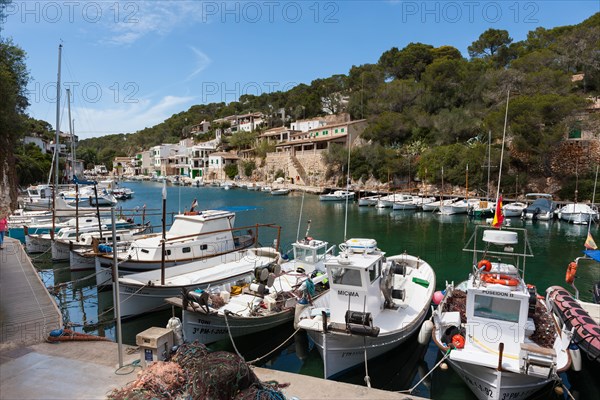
{"x": 502, "y": 151}
{"x": 72, "y": 171}
{"x": 57, "y": 122}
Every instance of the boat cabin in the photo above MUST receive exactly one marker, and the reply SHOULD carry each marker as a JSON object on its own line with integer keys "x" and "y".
{"x": 354, "y": 281}
{"x": 310, "y": 251}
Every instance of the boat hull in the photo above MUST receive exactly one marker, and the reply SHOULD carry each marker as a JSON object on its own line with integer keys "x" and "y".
{"x": 483, "y": 382}
{"x": 342, "y": 352}
{"x": 209, "y": 328}
{"x": 80, "y": 262}
{"x": 37, "y": 244}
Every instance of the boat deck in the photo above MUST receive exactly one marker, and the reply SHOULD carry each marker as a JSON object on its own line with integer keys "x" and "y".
{"x": 27, "y": 312}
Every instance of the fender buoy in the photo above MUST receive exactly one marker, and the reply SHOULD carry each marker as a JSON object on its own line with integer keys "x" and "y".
{"x": 486, "y": 265}
{"x": 571, "y": 272}
{"x": 500, "y": 279}
{"x": 458, "y": 341}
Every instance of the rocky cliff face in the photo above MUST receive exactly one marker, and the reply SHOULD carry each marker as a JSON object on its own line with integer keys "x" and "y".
{"x": 8, "y": 177}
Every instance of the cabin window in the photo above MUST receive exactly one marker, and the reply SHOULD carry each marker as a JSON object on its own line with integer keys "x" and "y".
{"x": 186, "y": 250}
{"x": 144, "y": 251}
{"x": 118, "y": 239}
{"x": 168, "y": 252}
{"x": 203, "y": 246}
{"x": 374, "y": 271}
{"x": 346, "y": 276}
{"x": 497, "y": 308}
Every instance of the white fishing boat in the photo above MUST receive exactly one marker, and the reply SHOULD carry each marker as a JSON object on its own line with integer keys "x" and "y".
{"x": 338, "y": 195}
{"x": 373, "y": 305}
{"x": 368, "y": 200}
{"x": 42, "y": 242}
{"x": 87, "y": 197}
{"x": 280, "y": 192}
{"x": 61, "y": 247}
{"x": 38, "y": 198}
{"x": 513, "y": 209}
{"x": 146, "y": 291}
{"x": 578, "y": 213}
{"x": 193, "y": 236}
{"x": 435, "y": 205}
{"x": 494, "y": 329}
{"x": 404, "y": 202}
{"x": 458, "y": 207}
{"x": 388, "y": 201}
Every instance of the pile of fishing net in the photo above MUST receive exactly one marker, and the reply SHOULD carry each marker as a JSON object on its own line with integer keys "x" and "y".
{"x": 545, "y": 330}
{"x": 196, "y": 374}
{"x": 457, "y": 302}
{"x": 161, "y": 380}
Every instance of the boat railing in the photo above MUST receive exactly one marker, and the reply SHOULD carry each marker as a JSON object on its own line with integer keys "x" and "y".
{"x": 253, "y": 230}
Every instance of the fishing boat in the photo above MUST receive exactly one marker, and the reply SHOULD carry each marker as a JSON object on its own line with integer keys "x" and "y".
{"x": 338, "y": 195}
{"x": 280, "y": 192}
{"x": 494, "y": 329}
{"x": 514, "y": 209}
{"x": 368, "y": 200}
{"x": 374, "y": 304}
{"x": 542, "y": 207}
{"x": 61, "y": 247}
{"x": 461, "y": 206}
{"x": 435, "y": 205}
{"x": 146, "y": 291}
{"x": 194, "y": 235}
{"x": 578, "y": 213}
{"x": 38, "y": 238}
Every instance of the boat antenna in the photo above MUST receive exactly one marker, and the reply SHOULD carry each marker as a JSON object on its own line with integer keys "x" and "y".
{"x": 347, "y": 189}
{"x": 300, "y": 219}
{"x": 502, "y": 151}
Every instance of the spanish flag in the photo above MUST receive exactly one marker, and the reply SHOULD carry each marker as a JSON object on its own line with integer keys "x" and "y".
{"x": 589, "y": 242}
{"x": 498, "y": 216}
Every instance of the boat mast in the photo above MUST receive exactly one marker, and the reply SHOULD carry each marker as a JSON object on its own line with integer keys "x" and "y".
{"x": 502, "y": 151}
{"x": 56, "y": 143}
{"x": 72, "y": 171}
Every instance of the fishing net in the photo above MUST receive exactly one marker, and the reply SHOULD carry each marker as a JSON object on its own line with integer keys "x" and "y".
{"x": 545, "y": 329}
{"x": 195, "y": 374}
{"x": 219, "y": 377}
{"x": 457, "y": 302}
{"x": 161, "y": 380}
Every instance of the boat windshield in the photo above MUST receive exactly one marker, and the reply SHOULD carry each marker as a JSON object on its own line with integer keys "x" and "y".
{"x": 346, "y": 276}
{"x": 497, "y": 308}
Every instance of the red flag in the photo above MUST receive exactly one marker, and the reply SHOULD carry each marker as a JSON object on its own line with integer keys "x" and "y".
{"x": 589, "y": 243}
{"x": 498, "y": 216}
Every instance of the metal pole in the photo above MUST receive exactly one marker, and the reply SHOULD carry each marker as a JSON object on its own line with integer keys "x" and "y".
{"x": 57, "y": 122}
{"x": 98, "y": 212}
{"x": 164, "y": 232}
{"x": 116, "y": 300}
{"x": 77, "y": 211}
{"x": 72, "y": 173}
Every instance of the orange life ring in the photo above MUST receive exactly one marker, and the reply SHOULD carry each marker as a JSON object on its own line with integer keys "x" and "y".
{"x": 571, "y": 272}
{"x": 458, "y": 341}
{"x": 486, "y": 265}
{"x": 500, "y": 279}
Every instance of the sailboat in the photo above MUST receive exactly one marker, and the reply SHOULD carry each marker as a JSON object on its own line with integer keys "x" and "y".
{"x": 460, "y": 206}
{"x": 578, "y": 213}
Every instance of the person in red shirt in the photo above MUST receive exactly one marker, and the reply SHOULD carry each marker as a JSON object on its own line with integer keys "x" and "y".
{"x": 3, "y": 228}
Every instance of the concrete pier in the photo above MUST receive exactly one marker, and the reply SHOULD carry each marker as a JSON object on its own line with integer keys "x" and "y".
{"x": 31, "y": 368}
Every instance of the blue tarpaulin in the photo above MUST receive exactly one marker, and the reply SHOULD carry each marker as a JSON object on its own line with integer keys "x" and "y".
{"x": 594, "y": 254}
{"x": 77, "y": 181}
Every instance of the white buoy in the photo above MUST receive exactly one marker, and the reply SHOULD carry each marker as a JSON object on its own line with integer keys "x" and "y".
{"x": 575, "y": 358}
{"x": 444, "y": 366}
{"x": 175, "y": 324}
{"x": 425, "y": 332}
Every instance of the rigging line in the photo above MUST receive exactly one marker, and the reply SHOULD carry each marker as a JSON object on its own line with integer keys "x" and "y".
{"x": 593, "y": 199}
{"x": 502, "y": 151}
{"x": 347, "y": 188}
{"x": 300, "y": 216}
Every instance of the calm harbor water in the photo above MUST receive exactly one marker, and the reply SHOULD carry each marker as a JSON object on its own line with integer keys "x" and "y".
{"x": 437, "y": 239}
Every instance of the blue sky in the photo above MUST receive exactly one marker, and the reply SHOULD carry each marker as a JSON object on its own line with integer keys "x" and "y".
{"x": 132, "y": 64}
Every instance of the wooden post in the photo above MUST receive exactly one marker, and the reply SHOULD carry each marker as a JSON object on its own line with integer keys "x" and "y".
{"x": 500, "y": 351}
{"x": 77, "y": 212}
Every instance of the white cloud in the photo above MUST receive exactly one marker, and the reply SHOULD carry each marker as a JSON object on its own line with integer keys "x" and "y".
{"x": 151, "y": 17}
{"x": 202, "y": 61}
{"x": 126, "y": 118}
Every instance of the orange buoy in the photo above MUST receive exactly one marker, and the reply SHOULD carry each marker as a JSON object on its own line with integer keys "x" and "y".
{"x": 458, "y": 341}
{"x": 571, "y": 272}
{"x": 500, "y": 279}
{"x": 486, "y": 265}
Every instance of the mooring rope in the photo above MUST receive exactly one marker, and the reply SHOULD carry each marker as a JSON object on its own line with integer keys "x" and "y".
{"x": 427, "y": 374}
